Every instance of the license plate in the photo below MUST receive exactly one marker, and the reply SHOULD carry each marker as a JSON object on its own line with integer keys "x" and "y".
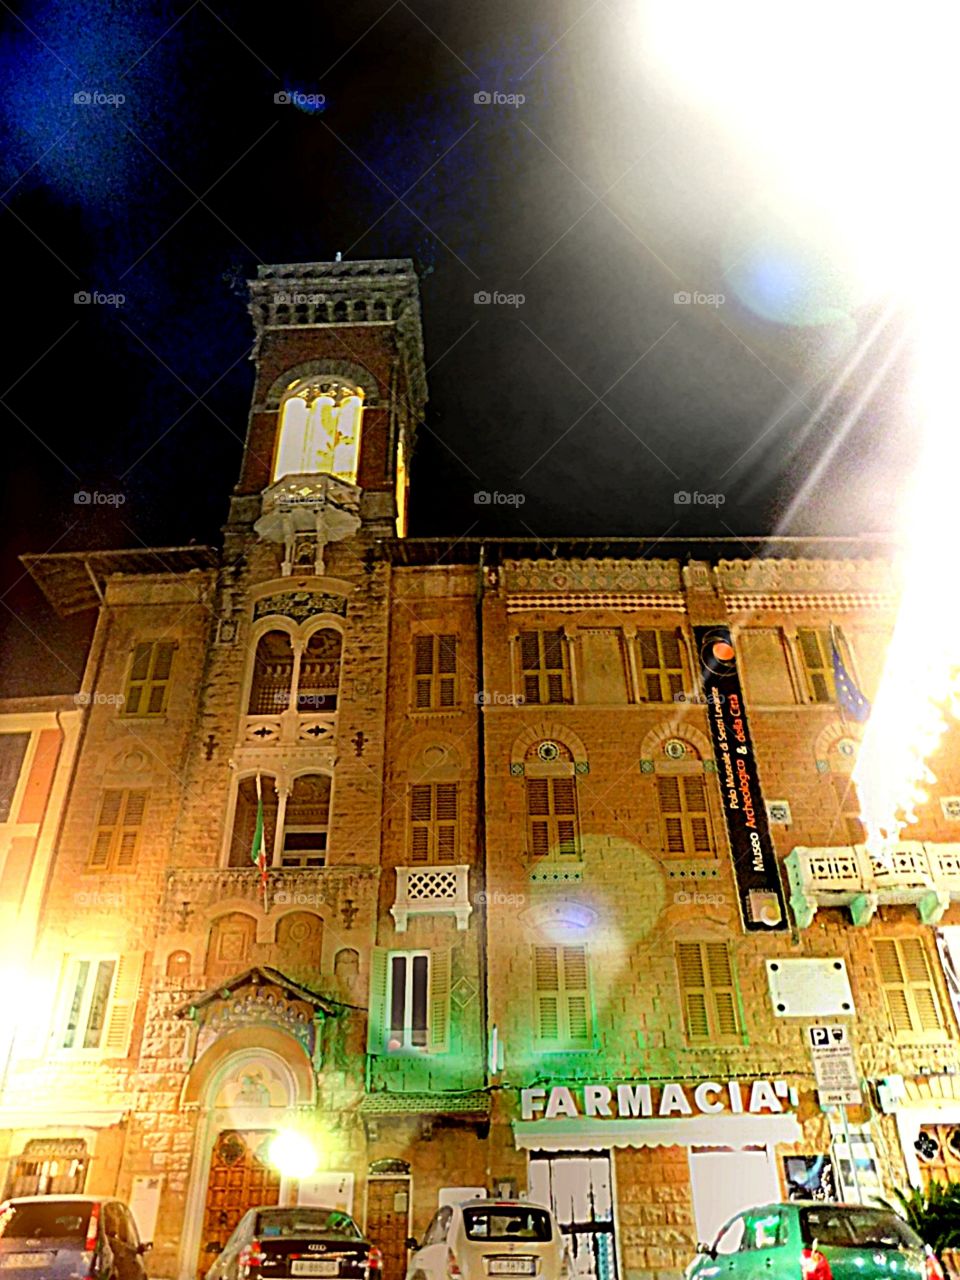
{"x": 26, "y": 1259}
{"x": 315, "y": 1267}
{"x": 512, "y": 1266}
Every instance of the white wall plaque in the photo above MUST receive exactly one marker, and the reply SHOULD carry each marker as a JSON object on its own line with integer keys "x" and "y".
{"x": 331, "y": 1190}
{"x": 145, "y": 1203}
{"x": 809, "y": 988}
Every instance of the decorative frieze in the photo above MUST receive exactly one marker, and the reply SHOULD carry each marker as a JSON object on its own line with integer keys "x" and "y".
{"x": 658, "y": 578}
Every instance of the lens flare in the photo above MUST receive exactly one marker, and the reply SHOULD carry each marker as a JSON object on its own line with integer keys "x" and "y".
{"x": 846, "y": 112}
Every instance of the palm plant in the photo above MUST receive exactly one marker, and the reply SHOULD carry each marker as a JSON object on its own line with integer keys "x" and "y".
{"x": 933, "y": 1212}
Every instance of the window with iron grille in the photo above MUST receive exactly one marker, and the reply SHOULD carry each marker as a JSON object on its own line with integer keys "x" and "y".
{"x": 433, "y": 822}
{"x": 684, "y": 816}
{"x": 817, "y": 659}
{"x": 148, "y": 682}
{"x": 543, "y": 663}
{"x": 562, "y": 1014}
{"x": 711, "y": 1008}
{"x": 434, "y": 672}
{"x": 909, "y": 989}
{"x": 552, "y": 823}
{"x": 119, "y": 824}
{"x": 661, "y": 665}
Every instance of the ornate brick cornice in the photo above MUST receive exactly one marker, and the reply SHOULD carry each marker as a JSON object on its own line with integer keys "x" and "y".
{"x": 659, "y": 579}
{"x": 775, "y": 577}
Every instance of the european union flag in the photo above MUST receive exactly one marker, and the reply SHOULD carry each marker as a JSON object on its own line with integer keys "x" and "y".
{"x": 849, "y": 696}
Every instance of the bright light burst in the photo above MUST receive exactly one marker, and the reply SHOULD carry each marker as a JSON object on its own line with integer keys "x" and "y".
{"x": 847, "y": 111}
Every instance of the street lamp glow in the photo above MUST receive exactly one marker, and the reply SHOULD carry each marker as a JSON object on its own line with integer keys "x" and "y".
{"x": 846, "y": 111}
{"x": 293, "y": 1155}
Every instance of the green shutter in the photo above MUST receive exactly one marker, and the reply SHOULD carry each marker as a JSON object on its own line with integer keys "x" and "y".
{"x": 377, "y": 1004}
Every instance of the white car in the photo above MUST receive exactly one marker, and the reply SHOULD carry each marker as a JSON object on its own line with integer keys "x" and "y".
{"x": 483, "y": 1239}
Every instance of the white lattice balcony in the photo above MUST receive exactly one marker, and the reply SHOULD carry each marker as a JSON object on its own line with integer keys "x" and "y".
{"x": 924, "y": 875}
{"x": 432, "y": 891}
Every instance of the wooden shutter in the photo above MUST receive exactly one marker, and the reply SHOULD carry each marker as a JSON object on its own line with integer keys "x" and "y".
{"x": 446, "y": 671}
{"x": 909, "y": 989}
{"x": 421, "y": 816}
{"x": 683, "y": 812}
{"x": 530, "y": 663}
{"x": 377, "y": 1004}
{"x": 123, "y": 1005}
{"x": 661, "y": 663}
{"x": 137, "y": 681}
{"x": 815, "y": 652}
{"x": 445, "y": 821}
{"x": 708, "y": 992}
{"x": 602, "y": 670}
{"x": 538, "y": 815}
{"x": 111, "y": 804}
{"x": 695, "y": 803}
{"x": 422, "y": 670}
{"x": 564, "y": 796}
{"x": 160, "y": 677}
{"x": 576, "y": 995}
{"x": 128, "y": 835}
{"x": 439, "y": 1001}
{"x": 546, "y": 976}
{"x": 543, "y": 664}
{"x": 671, "y": 812}
{"x": 763, "y": 662}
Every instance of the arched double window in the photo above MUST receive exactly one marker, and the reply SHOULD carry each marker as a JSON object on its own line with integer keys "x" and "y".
{"x": 295, "y": 821}
{"x": 685, "y": 826}
{"x": 319, "y": 430}
{"x": 288, "y": 673}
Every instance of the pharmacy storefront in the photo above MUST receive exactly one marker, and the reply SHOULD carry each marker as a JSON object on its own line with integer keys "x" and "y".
{"x": 637, "y": 1173}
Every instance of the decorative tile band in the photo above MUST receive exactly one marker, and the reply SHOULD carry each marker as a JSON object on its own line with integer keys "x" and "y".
{"x": 568, "y": 602}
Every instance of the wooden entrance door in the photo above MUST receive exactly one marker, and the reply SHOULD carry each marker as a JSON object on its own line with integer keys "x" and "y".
{"x": 388, "y": 1222}
{"x": 240, "y": 1178}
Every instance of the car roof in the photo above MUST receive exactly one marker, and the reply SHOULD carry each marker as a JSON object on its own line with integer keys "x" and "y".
{"x": 73, "y": 1198}
{"x": 487, "y": 1201}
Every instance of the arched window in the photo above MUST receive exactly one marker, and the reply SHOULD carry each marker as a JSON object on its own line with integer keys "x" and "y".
{"x": 319, "y": 430}
{"x": 305, "y": 822}
{"x": 230, "y": 949}
{"x": 319, "y": 682}
{"x": 272, "y": 675}
{"x": 245, "y": 819}
{"x": 300, "y": 940}
{"x": 178, "y": 964}
{"x": 682, "y": 800}
{"x": 553, "y": 826}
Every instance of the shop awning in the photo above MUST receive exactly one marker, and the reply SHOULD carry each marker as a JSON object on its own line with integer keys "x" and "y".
{"x": 582, "y": 1133}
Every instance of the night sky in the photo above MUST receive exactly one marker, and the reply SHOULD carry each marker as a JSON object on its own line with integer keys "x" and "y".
{"x": 597, "y": 198}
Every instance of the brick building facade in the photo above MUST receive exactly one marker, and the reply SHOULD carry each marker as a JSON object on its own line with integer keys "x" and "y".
{"x": 510, "y": 939}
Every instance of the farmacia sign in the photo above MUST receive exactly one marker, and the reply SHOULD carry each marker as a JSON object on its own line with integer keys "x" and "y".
{"x": 630, "y": 1101}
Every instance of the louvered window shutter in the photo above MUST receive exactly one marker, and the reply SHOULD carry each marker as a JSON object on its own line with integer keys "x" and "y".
{"x": 377, "y": 1005}
{"x": 421, "y": 819}
{"x": 693, "y": 989}
{"x": 128, "y": 836}
{"x": 538, "y": 815}
{"x": 909, "y": 989}
{"x": 439, "y": 1033}
{"x": 446, "y": 821}
{"x": 814, "y": 651}
{"x": 576, "y": 996}
{"x": 661, "y": 662}
{"x": 709, "y": 993}
{"x": 722, "y": 990}
{"x": 422, "y": 669}
{"x": 695, "y": 802}
{"x": 123, "y": 1006}
{"x": 447, "y": 671}
{"x": 671, "y": 813}
{"x": 547, "y": 992}
{"x": 565, "y": 814}
{"x": 137, "y": 682}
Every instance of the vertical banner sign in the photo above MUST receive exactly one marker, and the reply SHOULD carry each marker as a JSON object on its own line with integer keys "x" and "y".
{"x": 755, "y": 869}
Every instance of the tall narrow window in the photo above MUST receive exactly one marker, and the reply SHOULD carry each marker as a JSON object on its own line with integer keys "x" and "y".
{"x": 543, "y": 661}
{"x": 320, "y": 425}
{"x": 661, "y": 665}
{"x": 89, "y": 986}
{"x": 434, "y": 672}
{"x": 909, "y": 989}
{"x": 408, "y": 1000}
{"x": 433, "y": 822}
{"x": 815, "y": 654}
{"x": 684, "y": 819}
{"x": 562, "y": 997}
{"x": 119, "y": 824}
{"x": 708, "y": 992}
{"x": 319, "y": 682}
{"x": 148, "y": 682}
{"x": 552, "y": 821}
{"x": 245, "y": 820}
{"x": 305, "y": 822}
{"x": 272, "y": 675}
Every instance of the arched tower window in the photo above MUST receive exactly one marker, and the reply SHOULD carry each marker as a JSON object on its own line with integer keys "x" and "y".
{"x": 553, "y": 824}
{"x": 319, "y": 430}
{"x": 319, "y": 682}
{"x": 272, "y": 675}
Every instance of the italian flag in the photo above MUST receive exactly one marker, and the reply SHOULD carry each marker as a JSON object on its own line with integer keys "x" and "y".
{"x": 258, "y": 854}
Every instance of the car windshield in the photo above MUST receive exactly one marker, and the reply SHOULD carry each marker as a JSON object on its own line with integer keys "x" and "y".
{"x": 306, "y": 1222}
{"x": 45, "y": 1220}
{"x": 507, "y": 1223}
{"x": 851, "y": 1228}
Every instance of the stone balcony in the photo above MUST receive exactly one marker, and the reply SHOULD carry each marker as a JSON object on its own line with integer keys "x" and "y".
{"x": 926, "y": 876}
{"x": 289, "y": 729}
{"x": 432, "y": 891}
{"x": 339, "y": 893}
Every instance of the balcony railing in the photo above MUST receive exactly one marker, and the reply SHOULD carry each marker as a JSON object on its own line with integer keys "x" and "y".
{"x": 431, "y": 891}
{"x": 336, "y": 892}
{"x": 924, "y": 875}
{"x": 289, "y": 728}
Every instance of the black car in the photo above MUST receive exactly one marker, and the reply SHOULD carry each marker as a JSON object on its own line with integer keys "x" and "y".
{"x": 309, "y": 1241}
{"x": 69, "y": 1238}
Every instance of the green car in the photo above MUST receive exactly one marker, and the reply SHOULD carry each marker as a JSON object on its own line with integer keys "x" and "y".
{"x": 814, "y": 1240}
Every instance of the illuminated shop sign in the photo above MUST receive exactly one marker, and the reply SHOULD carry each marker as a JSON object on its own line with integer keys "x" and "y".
{"x": 630, "y": 1101}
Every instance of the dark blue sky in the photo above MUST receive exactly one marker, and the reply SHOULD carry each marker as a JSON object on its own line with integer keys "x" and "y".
{"x": 147, "y": 157}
